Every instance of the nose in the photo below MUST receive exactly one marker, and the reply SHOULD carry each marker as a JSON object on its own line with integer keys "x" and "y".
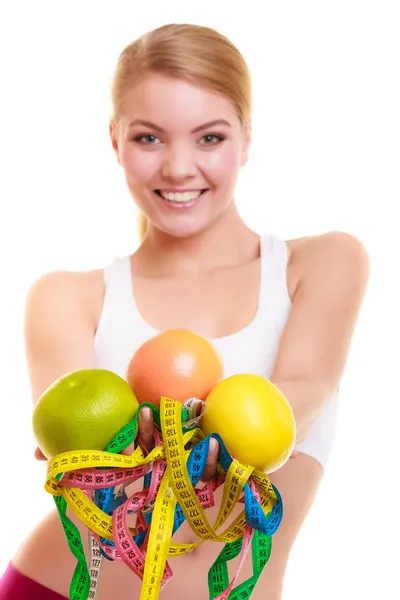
{"x": 179, "y": 162}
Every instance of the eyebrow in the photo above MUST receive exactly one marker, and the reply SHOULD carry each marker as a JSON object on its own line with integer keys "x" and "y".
{"x": 195, "y": 130}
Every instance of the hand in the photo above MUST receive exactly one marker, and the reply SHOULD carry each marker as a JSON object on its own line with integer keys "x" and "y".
{"x": 38, "y": 454}
{"x": 145, "y": 436}
{"x": 146, "y": 441}
{"x": 211, "y": 463}
{"x": 212, "y": 459}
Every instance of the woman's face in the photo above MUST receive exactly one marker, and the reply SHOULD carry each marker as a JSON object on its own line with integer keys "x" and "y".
{"x": 181, "y": 148}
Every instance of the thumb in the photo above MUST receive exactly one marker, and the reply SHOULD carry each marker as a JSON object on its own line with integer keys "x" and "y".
{"x": 212, "y": 460}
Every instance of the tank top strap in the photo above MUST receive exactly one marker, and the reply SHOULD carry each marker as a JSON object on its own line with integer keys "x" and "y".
{"x": 118, "y": 300}
{"x": 117, "y": 280}
{"x": 274, "y": 256}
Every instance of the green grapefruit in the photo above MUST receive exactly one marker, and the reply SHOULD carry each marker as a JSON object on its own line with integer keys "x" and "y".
{"x": 82, "y": 410}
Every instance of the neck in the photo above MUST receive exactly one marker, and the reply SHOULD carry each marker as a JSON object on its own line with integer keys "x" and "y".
{"x": 226, "y": 243}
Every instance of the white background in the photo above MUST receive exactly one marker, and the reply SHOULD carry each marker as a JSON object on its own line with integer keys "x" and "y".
{"x": 325, "y": 156}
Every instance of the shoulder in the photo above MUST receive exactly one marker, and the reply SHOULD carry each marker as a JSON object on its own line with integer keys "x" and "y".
{"x": 338, "y": 256}
{"x": 66, "y": 292}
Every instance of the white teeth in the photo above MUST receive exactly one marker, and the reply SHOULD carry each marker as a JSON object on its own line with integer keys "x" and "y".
{"x": 181, "y": 196}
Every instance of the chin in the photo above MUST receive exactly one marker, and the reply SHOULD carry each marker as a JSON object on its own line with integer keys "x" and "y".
{"x": 184, "y": 231}
{"x": 186, "y": 226}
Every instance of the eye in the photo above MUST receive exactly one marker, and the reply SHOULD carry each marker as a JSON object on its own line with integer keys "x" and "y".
{"x": 212, "y": 139}
{"x": 147, "y": 139}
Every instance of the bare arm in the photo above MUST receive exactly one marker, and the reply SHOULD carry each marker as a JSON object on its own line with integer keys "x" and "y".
{"x": 58, "y": 331}
{"x": 59, "y": 335}
{"x": 333, "y": 272}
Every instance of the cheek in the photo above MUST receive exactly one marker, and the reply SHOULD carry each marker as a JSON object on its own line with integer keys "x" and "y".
{"x": 222, "y": 165}
{"x": 138, "y": 166}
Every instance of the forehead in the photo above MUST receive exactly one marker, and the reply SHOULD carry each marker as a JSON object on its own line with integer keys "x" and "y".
{"x": 173, "y": 103}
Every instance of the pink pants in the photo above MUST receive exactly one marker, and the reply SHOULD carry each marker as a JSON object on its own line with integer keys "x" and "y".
{"x": 16, "y": 586}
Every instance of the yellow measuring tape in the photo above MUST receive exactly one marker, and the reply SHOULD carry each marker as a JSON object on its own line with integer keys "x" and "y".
{"x": 175, "y": 487}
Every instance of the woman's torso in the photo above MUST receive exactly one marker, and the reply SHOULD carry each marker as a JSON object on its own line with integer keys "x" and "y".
{"x": 249, "y": 307}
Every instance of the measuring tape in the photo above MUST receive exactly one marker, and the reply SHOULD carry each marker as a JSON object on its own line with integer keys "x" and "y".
{"x": 93, "y": 485}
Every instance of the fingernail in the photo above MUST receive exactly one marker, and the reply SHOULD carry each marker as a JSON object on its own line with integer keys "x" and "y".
{"x": 145, "y": 412}
{"x": 214, "y": 446}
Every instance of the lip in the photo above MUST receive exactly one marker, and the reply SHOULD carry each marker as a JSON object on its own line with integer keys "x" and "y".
{"x": 180, "y": 190}
{"x": 182, "y": 205}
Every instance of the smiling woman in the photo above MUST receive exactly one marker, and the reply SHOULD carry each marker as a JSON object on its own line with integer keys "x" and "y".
{"x": 284, "y": 310}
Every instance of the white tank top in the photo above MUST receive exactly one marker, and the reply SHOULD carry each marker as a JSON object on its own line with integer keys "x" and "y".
{"x": 253, "y": 349}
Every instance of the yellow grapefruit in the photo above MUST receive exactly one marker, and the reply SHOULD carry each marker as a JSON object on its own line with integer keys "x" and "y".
{"x": 254, "y": 420}
{"x": 82, "y": 410}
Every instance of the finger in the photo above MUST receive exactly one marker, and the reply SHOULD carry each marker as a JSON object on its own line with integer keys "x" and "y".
{"x": 146, "y": 428}
{"x": 295, "y": 453}
{"x": 212, "y": 458}
{"x": 129, "y": 449}
{"x": 38, "y": 454}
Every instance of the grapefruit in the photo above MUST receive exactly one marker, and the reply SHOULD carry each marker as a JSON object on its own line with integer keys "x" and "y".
{"x": 253, "y": 418}
{"x": 82, "y": 410}
{"x": 176, "y": 363}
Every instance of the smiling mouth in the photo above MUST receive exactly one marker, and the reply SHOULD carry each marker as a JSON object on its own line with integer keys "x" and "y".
{"x": 181, "y": 197}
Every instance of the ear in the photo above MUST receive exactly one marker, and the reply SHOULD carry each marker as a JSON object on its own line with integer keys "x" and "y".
{"x": 113, "y": 131}
{"x": 246, "y": 144}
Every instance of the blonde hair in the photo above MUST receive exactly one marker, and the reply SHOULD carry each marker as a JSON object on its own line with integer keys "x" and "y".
{"x": 197, "y": 54}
